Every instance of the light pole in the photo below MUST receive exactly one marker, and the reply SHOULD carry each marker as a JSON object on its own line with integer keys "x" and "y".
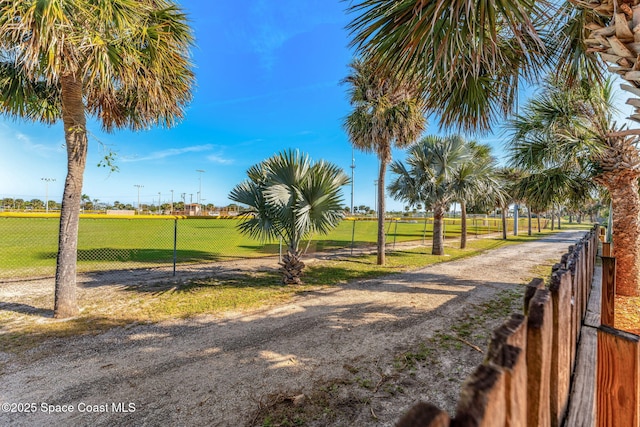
{"x": 171, "y": 202}
{"x": 200, "y": 172}
{"x": 139, "y": 187}
{"x": 353, "y": 168}
{"x": 159, "y": 201}
{"x": 46, "y": 192}
{"x": 375, "y": 195}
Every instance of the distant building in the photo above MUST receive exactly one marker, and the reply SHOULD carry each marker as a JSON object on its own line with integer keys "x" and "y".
{"x": 193, "y": 209}
{"x": 231, "y": 210}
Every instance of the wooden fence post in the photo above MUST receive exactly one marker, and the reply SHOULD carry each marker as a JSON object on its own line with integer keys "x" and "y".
{"x": 608, "y": 293}
{"x": 424, "y": 415}
{"x": 507, "y": 349}
{"x": 606, "y": 249}
{"x": 562, "y": 345}
{"x": 482, "y": 400}
{"x": 582, "y": 279}
{"x": 588, "y": 269}
{"x": 618, "y": 384}
{"x": 539, "y": 342}
{"x": 530, "y": 291}
{"x": 576, "y": 319}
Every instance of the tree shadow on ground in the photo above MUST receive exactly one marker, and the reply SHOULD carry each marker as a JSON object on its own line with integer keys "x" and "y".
{"x": 264, "y": 248}
{"x": 25, "y": 309}
{"x": 152, "y": 256}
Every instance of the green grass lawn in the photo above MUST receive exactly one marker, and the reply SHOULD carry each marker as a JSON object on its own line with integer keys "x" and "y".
{"x": 28, "y": 244}
{"x": 107, "y": 307}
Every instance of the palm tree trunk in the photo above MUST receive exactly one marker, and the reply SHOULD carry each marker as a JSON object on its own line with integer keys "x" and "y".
{"x": 463, "y": 218}
{"x": 438, "y": 242}
{"x": 559, "y": 217}
{"x": 291, "y": 267}
{"x": 529, "y": 218}
{"x": 626, "y": 232}
{"x": 539, "y": 230}
{"x": 73, "y": 115}
{"x": 381, "y": 212}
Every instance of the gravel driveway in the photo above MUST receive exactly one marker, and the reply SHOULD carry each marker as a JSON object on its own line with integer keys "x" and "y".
{"x": 222, "y": 371}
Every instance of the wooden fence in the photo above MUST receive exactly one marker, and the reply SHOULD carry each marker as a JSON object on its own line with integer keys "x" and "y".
{"x": 526, "y": 378}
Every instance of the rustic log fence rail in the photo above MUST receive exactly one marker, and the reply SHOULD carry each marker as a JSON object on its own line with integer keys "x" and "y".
{"x": 530, "y": 374}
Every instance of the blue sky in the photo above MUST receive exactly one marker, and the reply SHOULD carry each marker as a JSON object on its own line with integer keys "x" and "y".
{"x": 268, "y": 79}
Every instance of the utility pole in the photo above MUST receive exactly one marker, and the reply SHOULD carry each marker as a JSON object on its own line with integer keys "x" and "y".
{"x": 375, "y": 195}
{"x": 46, "y": 192}
{"x": 139, "y": 187}
{"x": 353, "y": 168}
{"x": 200, "y": 172}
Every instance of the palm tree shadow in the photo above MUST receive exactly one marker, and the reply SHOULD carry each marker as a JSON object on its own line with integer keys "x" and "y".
{"x": 26, "y": 309}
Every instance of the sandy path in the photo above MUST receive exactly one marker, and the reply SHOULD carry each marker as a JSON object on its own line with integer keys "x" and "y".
{"x": 212, "y": 371}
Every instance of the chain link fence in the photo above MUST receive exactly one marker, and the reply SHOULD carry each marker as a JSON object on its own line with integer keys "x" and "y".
{"x": 29, "y": 242}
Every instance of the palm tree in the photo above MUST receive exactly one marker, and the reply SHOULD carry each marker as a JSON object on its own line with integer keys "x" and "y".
{"x": 428, "y": 178}
{"x": 572, "y": 133}
{"x": 608, "y": 29}
{"x": 291, "y": 197}
{"x": 474, "y": 178}
{"x": 470, "y": 56}
{"x": 386, "y": 111}
{"x": 124, "y": 62}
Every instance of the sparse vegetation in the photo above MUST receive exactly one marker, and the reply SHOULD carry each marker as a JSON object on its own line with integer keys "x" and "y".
{"x": 475, "y": 325}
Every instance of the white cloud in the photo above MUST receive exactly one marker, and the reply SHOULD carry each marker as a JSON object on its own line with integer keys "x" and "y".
{"x": 171, "y": 152}
{"x": 42, "y": 150}
{"x": 216, "y": 158}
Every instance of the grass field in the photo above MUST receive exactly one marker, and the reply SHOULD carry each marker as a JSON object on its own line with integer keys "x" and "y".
{"x": 28, "y": 244}
{"x": 107, "y": 307}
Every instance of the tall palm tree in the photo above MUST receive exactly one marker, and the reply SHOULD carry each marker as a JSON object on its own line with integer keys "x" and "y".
{"x": 473, "y": 179}
{"x": 505, "y": 194}
{"x": 387, "y": 112}
{"x": 572, "y": 132}
{"x": 428, "y": 178}
{"x": 291, "y": 197}
{"x": 124, "y": 62}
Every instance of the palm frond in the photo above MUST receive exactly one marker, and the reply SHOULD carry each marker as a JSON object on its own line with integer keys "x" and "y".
{"x": 132, "y": 57}
{"x": 470, "y": 55}
{"x": 566, "y": 45}
{"x": 387, "y": 110}
{"x": 291, "y": 197}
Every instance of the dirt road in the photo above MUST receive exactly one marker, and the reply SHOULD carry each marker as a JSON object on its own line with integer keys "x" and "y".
{"x": 212, "y": 371}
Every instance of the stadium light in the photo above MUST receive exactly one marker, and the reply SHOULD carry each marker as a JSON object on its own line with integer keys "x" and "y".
{"x": 46, "y": 192}
{"x": 139, "y": 187}
{"x": 375, "y": 196}
{"x": 200, "y": 172}
{"x": 353, "y": 168}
